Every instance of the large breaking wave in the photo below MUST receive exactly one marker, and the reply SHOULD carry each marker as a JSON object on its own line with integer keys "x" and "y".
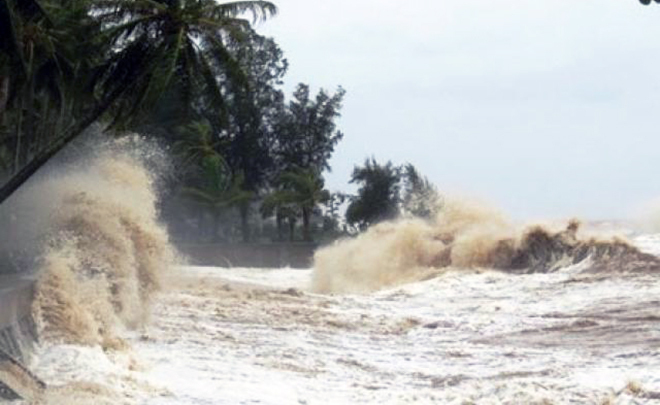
{"x": 101, "y": 248}
{"x": 466, "y": 236}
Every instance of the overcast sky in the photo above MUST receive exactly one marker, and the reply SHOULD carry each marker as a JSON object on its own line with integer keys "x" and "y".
{"x": 544, "y": 108}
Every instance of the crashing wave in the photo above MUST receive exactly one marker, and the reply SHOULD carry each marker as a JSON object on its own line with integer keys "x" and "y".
{"x": 465, "y": 236}
{"x": 105, "y": 249}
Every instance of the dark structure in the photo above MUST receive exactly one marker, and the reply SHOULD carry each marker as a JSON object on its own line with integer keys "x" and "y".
{"x": 17, "y": 337}
{"x": 263, "y": 255}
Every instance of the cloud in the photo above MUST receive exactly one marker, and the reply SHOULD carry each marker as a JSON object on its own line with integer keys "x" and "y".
{"x": 547, "y": 107}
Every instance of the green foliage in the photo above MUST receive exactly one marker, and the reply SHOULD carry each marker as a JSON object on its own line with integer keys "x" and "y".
{"x": 36, "y": 66}
{"x": 64, "y": 64}
{"x": 195, "y": 143}
{"x": 306, "y": 131}
{"x": 214, "y": 189}
{"x": 302, "y": 139}
{"x": 387, "y": 191}
{"x": 254, "y": 108}
{"x": 300, "y": 187}
{"x": 420, "y": 197}
{"x": 332, "y": 220}
{"x": 378, "y": 197}
{"x": 218, "y": 192}
{"x": 158, "y": 42}
{"x": 242, "y": 131}
{"x": 193, "y": 72}
{"x": 299, "y": 192}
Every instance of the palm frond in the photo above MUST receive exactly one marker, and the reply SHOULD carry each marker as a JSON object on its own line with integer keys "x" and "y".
{"x": 165, "y": 67}
{"x": 260, "y": 10}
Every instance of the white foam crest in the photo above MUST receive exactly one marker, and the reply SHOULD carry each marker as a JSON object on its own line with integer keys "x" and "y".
{"x": 105, "y": 249}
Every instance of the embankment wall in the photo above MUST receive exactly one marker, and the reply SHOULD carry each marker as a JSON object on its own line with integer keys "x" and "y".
{"x": 17, "y": 330}
{"x": 264, "y": 255}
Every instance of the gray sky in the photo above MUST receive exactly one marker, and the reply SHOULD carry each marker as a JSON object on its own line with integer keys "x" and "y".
{"x": 543, "y": 108}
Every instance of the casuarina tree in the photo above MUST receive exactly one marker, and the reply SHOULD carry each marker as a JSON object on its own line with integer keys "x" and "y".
{"x": 378, "y": 197}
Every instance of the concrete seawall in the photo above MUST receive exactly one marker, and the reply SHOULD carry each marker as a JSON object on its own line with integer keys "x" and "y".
{"x": 17, "y": 332}
{"x": 271, "y": 255}
{"x": 17, "y": 337}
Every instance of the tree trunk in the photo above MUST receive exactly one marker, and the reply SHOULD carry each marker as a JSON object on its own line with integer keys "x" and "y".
{"x": 216, "y": 225}
{"x": 4, "y": 96}
{"x": 292, "y": 228}
{"x": 245, "y": 223}
{"x": 279, "y": 218}
{"x": 306, "y": 213}
{"x": 201, "y": 229}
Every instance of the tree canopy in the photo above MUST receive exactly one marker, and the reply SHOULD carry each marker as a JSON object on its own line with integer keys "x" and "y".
{"x": 378, "y": 197}
{"x": 194, "y": 73}
{"x": 64, "y": 64}
{"x": 306, "y": 129}
{"x": 388, "y": 191}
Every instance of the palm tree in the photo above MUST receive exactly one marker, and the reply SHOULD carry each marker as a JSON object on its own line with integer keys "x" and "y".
{"x": 162, "y": 41}
{"x": 21, "y": 26}
{"x": 13, "y": 16}
{"x": 219, "y": 190}
{"x": 39, "y": 58}
{"x": 151, "y": 45}
{"x": 197, "y": 144}
{"x": 302, "y": 188}
{"x": 211, "y": 184}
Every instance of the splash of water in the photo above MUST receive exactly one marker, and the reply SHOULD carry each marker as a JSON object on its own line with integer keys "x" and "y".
{"x": 105, "y": 251}
{"x": 464, "y": 236}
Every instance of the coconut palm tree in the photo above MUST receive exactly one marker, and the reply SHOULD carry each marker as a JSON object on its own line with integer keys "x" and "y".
{"x": 150, "y": 45}
{"x": 301, "y": 188}
{"x": 20, "y": 27}
{"x": 158, "y": 42}
{"x": 218, "y": 191}
{"x": 39, "y": 57}
{"x": 198, "y": 144}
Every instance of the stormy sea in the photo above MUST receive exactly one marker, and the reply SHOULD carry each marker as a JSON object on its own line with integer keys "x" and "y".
{"x": 466, "y": 308}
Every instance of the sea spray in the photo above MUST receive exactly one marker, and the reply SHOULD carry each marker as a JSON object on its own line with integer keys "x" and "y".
{"x": 105, "y": 250}
{"x": 465, "y": 236}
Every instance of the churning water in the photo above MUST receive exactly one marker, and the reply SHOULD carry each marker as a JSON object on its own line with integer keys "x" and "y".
{"x": 466, "y": 309}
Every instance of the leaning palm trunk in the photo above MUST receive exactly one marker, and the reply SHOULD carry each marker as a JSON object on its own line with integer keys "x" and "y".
{"x": 153, "y": 40}
{"x": 22, "y": 175}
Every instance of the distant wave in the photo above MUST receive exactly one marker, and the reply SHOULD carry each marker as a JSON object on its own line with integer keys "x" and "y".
{"x": 465, "y": 236}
